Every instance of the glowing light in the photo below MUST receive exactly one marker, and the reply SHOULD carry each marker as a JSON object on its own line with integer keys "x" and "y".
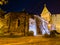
{"x": 49, "y": 26}
{"x": 1, "y": 24}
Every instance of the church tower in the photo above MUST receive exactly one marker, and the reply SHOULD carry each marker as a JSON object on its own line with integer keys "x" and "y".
{"x": 46, "y": 14}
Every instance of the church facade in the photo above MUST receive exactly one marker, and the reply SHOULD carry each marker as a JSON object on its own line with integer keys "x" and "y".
{"x": 17, "y": 23}
{"x": 52, "y": 18}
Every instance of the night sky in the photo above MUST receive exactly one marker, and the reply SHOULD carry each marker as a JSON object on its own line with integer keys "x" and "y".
{"x": 32, "y": 6}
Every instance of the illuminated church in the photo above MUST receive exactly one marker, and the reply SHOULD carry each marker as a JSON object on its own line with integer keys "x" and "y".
{"x": 52, "y": 18}
{"x": 17, "y": 23}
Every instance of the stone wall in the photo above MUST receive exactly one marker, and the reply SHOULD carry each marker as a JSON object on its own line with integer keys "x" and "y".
{"x": 17, "y": 23}
{"x": 56, "y": 21}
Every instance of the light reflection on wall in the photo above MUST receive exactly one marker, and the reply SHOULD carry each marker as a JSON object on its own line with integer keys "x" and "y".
{"x": 32, "y": 26}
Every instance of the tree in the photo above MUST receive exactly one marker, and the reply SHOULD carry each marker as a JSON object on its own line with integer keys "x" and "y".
{"x": 2, "y": 13}
{"x": 2, "y": 2}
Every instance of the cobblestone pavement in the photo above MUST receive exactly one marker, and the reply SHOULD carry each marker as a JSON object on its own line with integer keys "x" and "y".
{"x": 31, "y": 40}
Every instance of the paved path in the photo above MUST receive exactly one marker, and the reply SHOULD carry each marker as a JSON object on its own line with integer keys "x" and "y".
{"x": 38, "y": 40}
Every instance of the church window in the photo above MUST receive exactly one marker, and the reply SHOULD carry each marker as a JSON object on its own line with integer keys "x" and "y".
{"x": 18, "y": 22}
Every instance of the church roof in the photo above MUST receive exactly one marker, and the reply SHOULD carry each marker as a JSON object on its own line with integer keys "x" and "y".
{"x": 45, "y": 10}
